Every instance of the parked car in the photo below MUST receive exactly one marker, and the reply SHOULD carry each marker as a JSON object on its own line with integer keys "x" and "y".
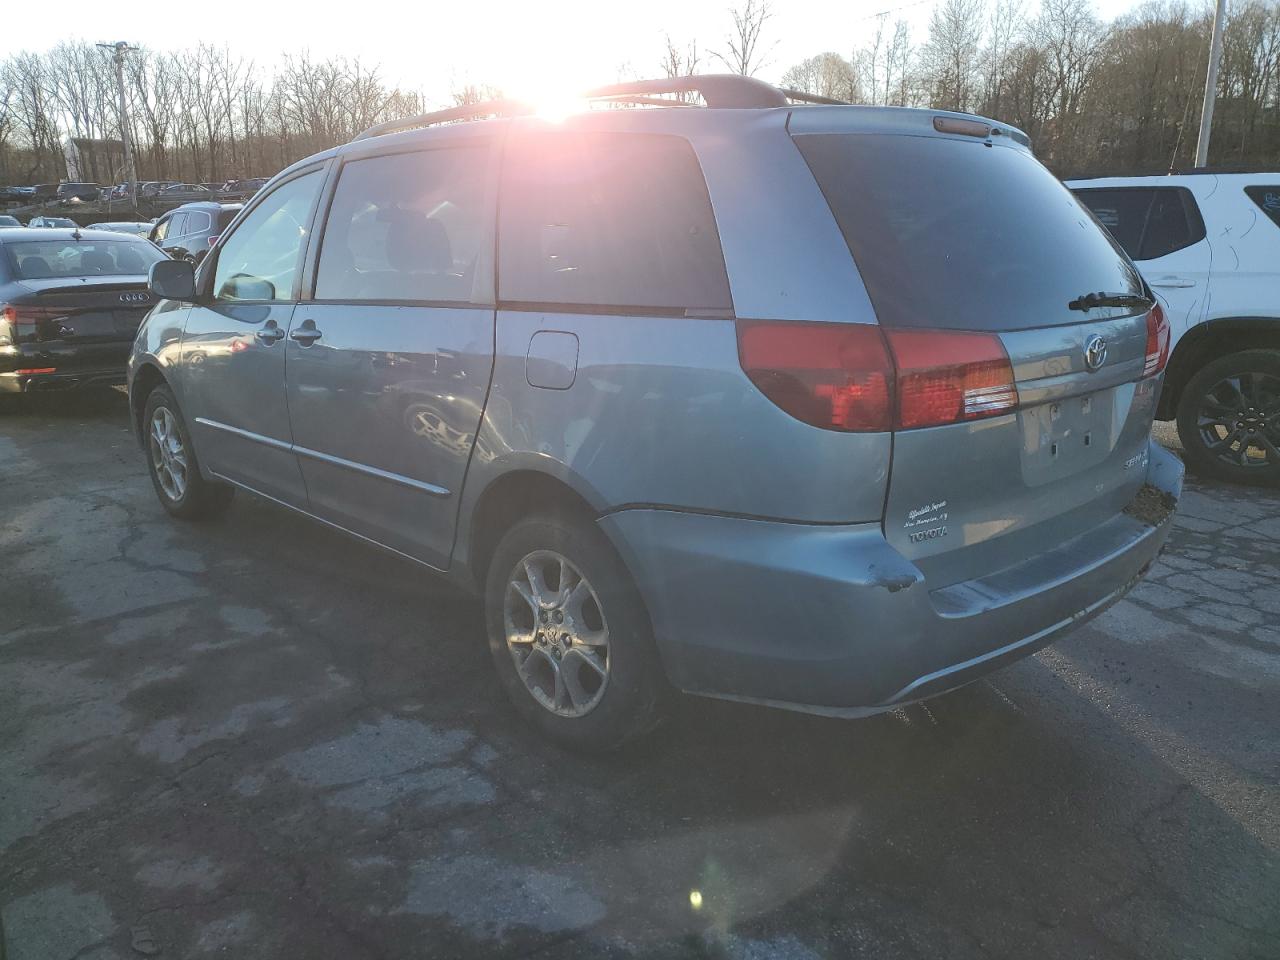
{"x": 77, "y": 191}
{"x": 125, "y": 226}
{"x": 8, "y": 221}
{"x": 1209, "y": 246}
{"x": 59, "y": 222}
{"x": 72, "y": 302}
{"x": 149, "y": 188}
{"x": 16, "y": 194}
{"x": 190, "y": 231}
{"x": 184, "y": 192}
{"x": 817, "y": 407}
{"x": 44, "y": 191}
{"x": 242, "y": 189}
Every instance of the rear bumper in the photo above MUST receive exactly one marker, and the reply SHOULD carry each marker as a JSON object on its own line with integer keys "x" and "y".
{"x": 86, "y": 365}
{"x": 11, "y": 383}
{"x": 832, "y": 620}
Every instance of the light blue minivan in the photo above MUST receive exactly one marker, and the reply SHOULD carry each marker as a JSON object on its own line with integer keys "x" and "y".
{"x": 817, "y": 406}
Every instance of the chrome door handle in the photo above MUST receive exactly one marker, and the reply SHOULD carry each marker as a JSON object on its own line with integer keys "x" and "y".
{"x": 270, "y": 333}
{"x": 306, "y": 334}
{"x": 1172, "y": 282}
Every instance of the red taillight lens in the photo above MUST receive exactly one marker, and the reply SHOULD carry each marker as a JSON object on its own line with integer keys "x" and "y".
{"x": 832, "y": 375}
{"x": 947, "y": 377}
{"x": 212, "y": 241}
{"x": 1157, "y": 342}
{"x": 18, "y": 321}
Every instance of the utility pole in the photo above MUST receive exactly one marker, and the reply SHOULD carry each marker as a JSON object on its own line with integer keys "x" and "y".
{"x": 119, "y": 49}
{"x": 1211, "y": 85}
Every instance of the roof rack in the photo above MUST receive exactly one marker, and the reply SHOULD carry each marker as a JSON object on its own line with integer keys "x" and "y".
{"x": 720, "y": 90}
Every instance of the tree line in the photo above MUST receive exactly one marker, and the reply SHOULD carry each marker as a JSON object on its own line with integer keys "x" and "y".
{"x": 1094, "y": 96}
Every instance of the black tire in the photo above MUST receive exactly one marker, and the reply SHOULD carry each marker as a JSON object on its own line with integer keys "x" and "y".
{"x": 199, "y": 499}
{"x": 632, "y": 700}
{"x": 1229, "y": 418}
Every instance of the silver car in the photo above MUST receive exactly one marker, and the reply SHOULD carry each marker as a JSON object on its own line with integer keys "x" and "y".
{"x": 823, "y": 407}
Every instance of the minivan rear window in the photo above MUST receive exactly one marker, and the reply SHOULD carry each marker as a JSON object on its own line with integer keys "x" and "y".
{"x": 956, "y": 234}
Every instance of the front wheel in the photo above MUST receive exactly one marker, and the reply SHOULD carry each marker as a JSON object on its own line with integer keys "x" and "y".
{"x": 570, "y": 636}
{"x": 171, "y": 460}
{"x": 1229, "y": 418}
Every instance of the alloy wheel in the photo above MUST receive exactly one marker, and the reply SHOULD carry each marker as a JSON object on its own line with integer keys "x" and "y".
{"x": 168, "y": 455}
{"x": 1239, "y": 420}
{"x": 557, "y": 634}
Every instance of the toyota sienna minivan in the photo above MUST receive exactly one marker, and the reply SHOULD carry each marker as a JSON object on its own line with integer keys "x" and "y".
{"x": 817, "y": 406}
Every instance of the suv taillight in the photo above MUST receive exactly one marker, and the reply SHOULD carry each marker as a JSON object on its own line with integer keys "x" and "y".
{"x": 832, "y": 375}
{"x": 213, "y": 240}
{"x": 947, "y": 377}
{"x": 845, "y": 377}
{"x": 1157, "y": 342}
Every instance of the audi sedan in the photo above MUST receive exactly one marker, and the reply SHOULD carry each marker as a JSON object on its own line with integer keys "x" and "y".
{"x": 70, "y": 304}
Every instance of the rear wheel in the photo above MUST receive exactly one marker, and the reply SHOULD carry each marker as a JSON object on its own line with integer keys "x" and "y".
{"x": 171, "y": 460}
{"x": 1229, "y": 418}
{"x": 569, "y": 635}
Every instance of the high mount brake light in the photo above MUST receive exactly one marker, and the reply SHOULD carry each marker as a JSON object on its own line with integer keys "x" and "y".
{"x": 1157, "y": 342}
{"x": 861, "y": 378}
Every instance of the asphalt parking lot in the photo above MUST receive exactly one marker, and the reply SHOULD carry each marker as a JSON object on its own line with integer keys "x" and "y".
{"x": 259, "y": 739}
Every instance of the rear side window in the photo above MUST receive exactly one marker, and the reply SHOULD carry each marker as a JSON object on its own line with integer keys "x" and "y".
{"x": 1268, "y": 198}
{"x": 608, "y": 220}
{"x": 1148, "y": 222}
{"x": 955, "y": 234}
{"x": 408, "y": 226}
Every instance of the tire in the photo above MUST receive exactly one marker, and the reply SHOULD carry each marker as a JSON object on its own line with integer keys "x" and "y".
{"x": 1229, "y": 418}
{"x": 587, "y": 709}
{"x": 182, "y": 491}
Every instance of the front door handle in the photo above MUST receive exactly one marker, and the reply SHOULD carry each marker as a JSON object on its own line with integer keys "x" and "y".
{"x": 270, "y": 333}
{"x": 1172, "y": 281}
{"x": 306, "y": 334}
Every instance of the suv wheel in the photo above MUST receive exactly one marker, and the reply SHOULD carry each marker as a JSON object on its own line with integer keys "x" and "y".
{"x": 570, "y": 636}
{"x": 171, "y": 460}
{"x": 1229, "y": 418}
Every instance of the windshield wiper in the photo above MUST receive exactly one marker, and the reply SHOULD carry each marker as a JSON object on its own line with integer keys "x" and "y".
{"x": 1091, "y": 300}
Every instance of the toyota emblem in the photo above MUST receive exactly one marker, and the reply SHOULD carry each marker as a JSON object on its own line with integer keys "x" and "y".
{"x": 133, "y": 298}
{"x": 1095, "y": 352}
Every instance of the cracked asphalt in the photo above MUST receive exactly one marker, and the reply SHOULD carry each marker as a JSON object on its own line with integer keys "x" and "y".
{"x": 257, "y": 738}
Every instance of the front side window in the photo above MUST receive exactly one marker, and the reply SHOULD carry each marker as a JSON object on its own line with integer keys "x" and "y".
{"x": 161, "y": 230}
{"x": 405, "y": 227}
{"x": 261, "y": 259}
{"x": 608, "y": 220}
{"x": 1268, "y": 200}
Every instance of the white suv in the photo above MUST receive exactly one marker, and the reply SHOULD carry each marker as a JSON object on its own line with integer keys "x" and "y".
{"x": 1208, "y": 244}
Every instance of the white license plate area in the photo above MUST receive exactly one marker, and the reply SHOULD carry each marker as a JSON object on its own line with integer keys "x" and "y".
{"x": 1063, "y": 437}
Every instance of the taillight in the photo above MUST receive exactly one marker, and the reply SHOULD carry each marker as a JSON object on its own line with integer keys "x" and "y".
{"x": 212, "y": 241}
{"x": 20, "y": 321}
{"x": 1157, "y": 342}
{"x": 832, "y": 375}
{"x": 947, "y": 377}
{"x": 843, "y": 377}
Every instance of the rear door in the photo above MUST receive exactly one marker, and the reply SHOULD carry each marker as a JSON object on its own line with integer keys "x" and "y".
{"x": 233, "y": 352}
{"x": 970, "y": 248}
{"x": 1162, "y": 230}
{"x": 388, "y": 364}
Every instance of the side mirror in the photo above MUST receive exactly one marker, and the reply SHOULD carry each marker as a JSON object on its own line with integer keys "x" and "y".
{"x": 172, "y": 280}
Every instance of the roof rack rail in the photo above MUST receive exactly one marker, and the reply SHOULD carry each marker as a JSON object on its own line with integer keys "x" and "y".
{"x": 468, "y": 111}
{"x": 801, "y": 97}
{"x": 722, "y": 90}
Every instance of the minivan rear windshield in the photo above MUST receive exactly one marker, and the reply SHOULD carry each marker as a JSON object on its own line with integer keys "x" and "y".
{"x": 956, "y": 234}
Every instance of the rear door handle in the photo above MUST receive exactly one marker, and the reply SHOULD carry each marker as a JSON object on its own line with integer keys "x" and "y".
{"x": 270, "y": 333}
{"x": 1172, "y": 281}
{"x": 306, "y": 334}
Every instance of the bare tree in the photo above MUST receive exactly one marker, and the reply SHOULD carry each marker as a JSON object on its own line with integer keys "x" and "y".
{"x": 826, "y": 75}
{"x": 745, "y": 55}
{"x": 950, "y": 57}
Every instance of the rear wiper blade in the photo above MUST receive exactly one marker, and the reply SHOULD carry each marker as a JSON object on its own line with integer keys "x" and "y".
{"x": 1091, "y": 300}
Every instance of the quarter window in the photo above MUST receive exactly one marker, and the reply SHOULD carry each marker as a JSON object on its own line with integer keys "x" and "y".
{"x": 1268, "y": 199}
{"x": 1148, "y": 222}
{"x": 608, "y": 220}
{"x": 405, "y": 227}
{"x": 260, "y": 260}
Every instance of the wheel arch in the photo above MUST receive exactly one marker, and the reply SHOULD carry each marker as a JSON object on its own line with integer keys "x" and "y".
{"x": 511, "y": 495}
{"x": 146, "y": 378}
{"x": 1208, "y": 341}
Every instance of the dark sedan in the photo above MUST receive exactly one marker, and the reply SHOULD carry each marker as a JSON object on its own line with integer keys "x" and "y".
{"x": 71, "y": 302}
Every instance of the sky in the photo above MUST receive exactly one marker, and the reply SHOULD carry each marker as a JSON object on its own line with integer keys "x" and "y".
{"x": 530, "y": 49}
